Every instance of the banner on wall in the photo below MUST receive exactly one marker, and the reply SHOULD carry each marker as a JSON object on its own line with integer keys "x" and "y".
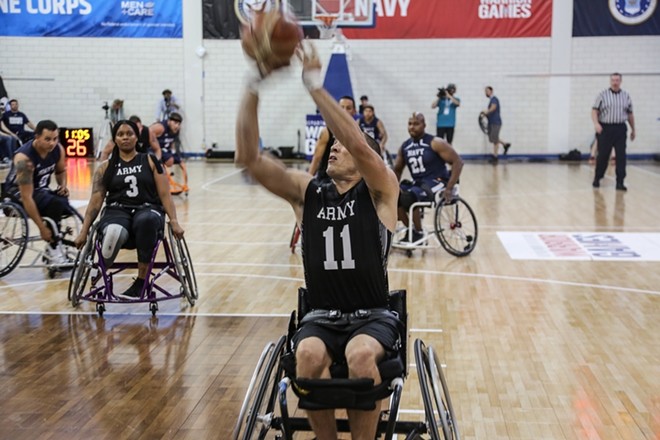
{"x": 594, "y": 18}
{"x": 313, "y": 125}
{"x": 414, "y": 19}
{"x": 402, "y": 19}
{"x": 91, "y": 18}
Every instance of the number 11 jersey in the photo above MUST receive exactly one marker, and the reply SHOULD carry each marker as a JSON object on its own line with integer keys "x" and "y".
{"x": 345, "y": 248}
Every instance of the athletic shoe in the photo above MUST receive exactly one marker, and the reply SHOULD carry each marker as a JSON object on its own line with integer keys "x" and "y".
{"x": 55, "y": 257}
{"x": 417, "y": 236}
{"x": 134, "y": 291}
{"x": 506, "y": 148}
{"x": 596, "y": 184}
{"x": 621, "y": 187}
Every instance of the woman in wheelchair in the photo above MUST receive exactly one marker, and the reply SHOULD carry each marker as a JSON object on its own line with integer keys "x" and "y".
{"x": 137, "y": 196}
{"x": 28, "y": 184}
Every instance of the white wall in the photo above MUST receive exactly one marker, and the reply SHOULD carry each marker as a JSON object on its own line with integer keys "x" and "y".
{"x": 546, "y": 85}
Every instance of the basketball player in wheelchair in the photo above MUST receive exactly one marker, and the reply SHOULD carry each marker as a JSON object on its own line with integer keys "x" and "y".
{"x": 137, "y": 198}
{"x": 352, "y": 214}
{"x": 26, "y": 193}
{"x": 426, "y": 157}
{"x": 167, "y": 134}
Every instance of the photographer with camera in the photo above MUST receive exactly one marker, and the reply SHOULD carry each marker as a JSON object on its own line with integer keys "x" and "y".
{"x": 446, "y": 102}
{"x": 169, "y": 104}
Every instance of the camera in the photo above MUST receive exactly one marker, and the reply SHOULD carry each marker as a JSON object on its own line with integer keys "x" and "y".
{"x": 106, "y": 107}
{"x": 442, "y": 93}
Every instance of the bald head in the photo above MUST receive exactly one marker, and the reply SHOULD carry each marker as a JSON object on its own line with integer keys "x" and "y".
{"x": 416, "y": 125}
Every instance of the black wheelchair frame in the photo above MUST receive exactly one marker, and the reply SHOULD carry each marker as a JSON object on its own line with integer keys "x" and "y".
{"x": 15, "y": 238}
{"x": 92, "y": 281}
{"x": 266, "y": 407}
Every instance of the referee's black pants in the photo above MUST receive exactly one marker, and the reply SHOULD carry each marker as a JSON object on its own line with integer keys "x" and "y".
{"x": 613, "y": 135}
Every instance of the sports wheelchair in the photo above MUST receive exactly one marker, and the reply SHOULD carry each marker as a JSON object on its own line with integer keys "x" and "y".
{"x": 454, "y": 227}
{"x": 15, "y": 239}
{"x": 266, "y": 407}
{"x": 92, "y": 281}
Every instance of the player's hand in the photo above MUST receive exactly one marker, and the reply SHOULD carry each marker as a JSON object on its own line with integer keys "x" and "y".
{"x": 309, "y": 56}
{"x": 62, "y": 191}
{"x": 448, "y": 194}
{"x": 599, "y": 128}
{"x": 46, "y": 234}
{"x": 80, "y": 240}
{"x": 632, "y": 135}
{"x": 177, "y": 230}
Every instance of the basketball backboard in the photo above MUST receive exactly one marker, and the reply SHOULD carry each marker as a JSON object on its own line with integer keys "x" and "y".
{"x": 346, "y": 13}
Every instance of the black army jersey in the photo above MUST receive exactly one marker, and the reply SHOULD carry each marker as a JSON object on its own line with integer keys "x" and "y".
{"x": 345, "y": 248}
{"x": 133, "y": 183}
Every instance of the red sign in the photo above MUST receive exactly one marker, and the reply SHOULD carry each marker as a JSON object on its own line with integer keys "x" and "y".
{"x": 417, "y": 19}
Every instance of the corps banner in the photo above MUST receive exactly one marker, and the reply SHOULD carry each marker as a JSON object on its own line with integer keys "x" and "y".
{"x": 401, "y": 19}
{"x": 91, "y": 18}
{"x": 595, "y": 18}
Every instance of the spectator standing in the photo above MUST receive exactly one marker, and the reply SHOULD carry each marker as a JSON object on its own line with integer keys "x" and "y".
{"x": 168, "y": 105}
{"x": 446, "y": 103}
{"x": 494, "y": 124}
{"x": 610, "y": 112}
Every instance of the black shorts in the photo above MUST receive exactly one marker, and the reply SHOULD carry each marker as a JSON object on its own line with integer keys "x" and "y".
{"x": 124, "y": 217}
{"x": 336, "y": 336}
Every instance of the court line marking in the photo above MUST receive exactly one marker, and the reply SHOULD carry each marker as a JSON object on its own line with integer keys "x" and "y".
{"x": 638, "y": 168}
{"x": 408, "y": 271}
{"x": 206, "y": 186}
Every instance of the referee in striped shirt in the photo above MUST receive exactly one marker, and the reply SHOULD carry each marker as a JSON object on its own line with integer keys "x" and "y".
{"x": 612, "y": 108}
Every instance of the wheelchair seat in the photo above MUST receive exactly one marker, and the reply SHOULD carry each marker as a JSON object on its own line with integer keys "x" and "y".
{"x": 275, "y": 373}
{"x": 340, "y": 391}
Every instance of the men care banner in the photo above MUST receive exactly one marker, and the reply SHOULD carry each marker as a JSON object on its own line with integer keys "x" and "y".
{"x": 401, "y": 19}
{"x": 595, "y": 18}
{"x": 91, "y": 18}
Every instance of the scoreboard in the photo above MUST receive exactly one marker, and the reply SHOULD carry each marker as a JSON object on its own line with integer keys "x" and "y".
{"x": 77, "y": 142}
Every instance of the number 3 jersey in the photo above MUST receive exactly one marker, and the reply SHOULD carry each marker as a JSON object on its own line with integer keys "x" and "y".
{"x": 133, "y": 183}
{"x": 422, "y": 161}
{"x": 345, "y": 248}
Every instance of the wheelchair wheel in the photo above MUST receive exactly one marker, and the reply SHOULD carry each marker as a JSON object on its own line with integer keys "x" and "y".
{"x": 69, "y": 230}
{"x": 13, "y": 236}
{"x": 82, "y": 268}
{"x": 259, "y": 405}
{"x": 456, "y": 227}
{"x": 184, "y": 267}
{"x": 435, "y": 394}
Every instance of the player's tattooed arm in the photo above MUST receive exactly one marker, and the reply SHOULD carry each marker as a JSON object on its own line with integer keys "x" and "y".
{"x": 24, "y": 171}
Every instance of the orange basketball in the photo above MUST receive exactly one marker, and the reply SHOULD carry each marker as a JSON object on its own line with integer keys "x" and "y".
{"x": 271, "y": 38}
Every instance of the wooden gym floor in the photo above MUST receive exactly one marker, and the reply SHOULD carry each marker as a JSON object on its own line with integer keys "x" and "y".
{"x": 533, "y": 349}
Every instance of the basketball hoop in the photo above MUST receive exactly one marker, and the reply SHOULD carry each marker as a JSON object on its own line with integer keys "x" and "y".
{"x": 327, "y": 25}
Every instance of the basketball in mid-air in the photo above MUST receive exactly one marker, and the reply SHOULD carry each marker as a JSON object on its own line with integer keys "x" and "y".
{"x": 271, "y": 38}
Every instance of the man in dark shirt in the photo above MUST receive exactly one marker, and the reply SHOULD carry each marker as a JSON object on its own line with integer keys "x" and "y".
{"x": 347, "y": 223}
{"x": 494, "y": 124}
{"x": 14, "y": 122}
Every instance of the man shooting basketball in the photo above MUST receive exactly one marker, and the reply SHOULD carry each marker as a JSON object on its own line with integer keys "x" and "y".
{"x": 347, "y": 224}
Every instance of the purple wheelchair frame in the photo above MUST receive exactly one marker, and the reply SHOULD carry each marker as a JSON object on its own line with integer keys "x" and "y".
{"x": 101, "y": 289}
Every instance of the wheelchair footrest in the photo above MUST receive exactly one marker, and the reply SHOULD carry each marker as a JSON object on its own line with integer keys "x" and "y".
{"x": 317, "y": 394}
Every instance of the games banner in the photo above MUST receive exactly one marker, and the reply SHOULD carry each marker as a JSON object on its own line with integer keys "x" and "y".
{"x": 91, "y": 18}
{"x": 596, "y": 18}
{"x": 419, "y": 19}
{"x": 313, "y": 125}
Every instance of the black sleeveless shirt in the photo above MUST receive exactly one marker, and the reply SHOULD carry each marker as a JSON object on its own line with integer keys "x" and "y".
{"x": 345, "y": 248}
{"x": 133, "y": 183}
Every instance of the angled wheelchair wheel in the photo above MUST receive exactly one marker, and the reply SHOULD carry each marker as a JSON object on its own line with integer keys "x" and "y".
{"x": 184, "y": 266}
{"x": 69, "y": 230}
{"x": 13, "y": 236}
{"x": 82, "y": 269}
{"x": 257, "y": 411}
{"x": 456, "y": 227}
{"x": 440, "y": 418}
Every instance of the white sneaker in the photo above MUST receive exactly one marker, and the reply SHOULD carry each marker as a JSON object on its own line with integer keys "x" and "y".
{"x": 56, "y": 256}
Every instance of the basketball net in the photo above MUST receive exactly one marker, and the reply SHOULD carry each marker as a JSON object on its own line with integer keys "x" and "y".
{"x": 327, "y": 25}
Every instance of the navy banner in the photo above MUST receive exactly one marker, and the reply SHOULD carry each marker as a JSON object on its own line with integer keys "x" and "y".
{"x": 593, "y": 18}
{"x": 91, "y": 18}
